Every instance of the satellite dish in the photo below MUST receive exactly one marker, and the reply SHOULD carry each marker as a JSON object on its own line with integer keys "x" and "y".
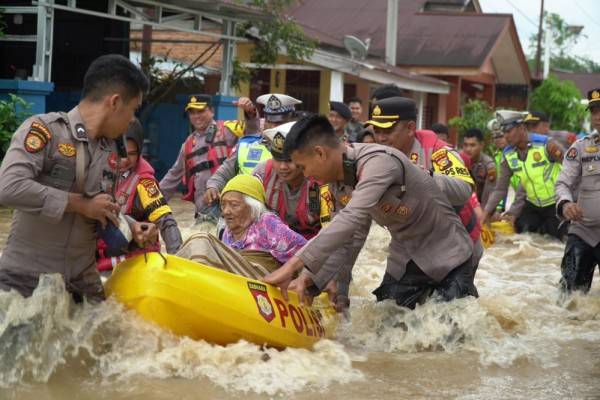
{"x": 356, "y": 47}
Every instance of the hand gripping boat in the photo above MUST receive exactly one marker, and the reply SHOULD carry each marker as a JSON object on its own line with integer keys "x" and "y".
{"x": 202, "y": 302}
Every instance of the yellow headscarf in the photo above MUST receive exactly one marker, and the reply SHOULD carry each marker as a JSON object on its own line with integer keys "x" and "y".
{"x": 248, "y": 185}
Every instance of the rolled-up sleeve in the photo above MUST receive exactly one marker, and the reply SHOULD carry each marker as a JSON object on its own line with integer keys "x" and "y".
{"x": 19, "y": 187}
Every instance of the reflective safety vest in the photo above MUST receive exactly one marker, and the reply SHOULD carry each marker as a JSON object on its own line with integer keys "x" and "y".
{"x": 537, "y": 173}
{"x": 308, "y": 210}
{"x": 251, "y": 152}
{"x": 207, "y": 157}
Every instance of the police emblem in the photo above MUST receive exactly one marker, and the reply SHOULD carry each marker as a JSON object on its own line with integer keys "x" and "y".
{"x": 402, "y": 210}
{"x": 572, "y": 153}
{"x": 591, "y": 149}
{"x": 441, "y": 160}
{"x": 537, "y": 156}
{"x": 344, "y": 199}
{"x": 595, "y": 95}
{"x": 377, "y": 111}
{"x": 67, "y": 149}
{"x": 274, "y": 103}
{"x": 37, "y": 138}
{"x": 193, "y": 99}
{"x": 414, "y": 157}
{"x": 263, "y": 302}
{"x": 33, "y": 143}
{"x": 278, "y": 143}
{"x": 150, "y": 187}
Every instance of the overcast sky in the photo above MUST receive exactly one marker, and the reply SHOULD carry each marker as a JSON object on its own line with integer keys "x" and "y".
{"x": 526, "y": 14}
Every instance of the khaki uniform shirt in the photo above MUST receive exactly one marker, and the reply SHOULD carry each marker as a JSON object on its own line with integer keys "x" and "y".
{"x": 579, "y": 181}
{"x": 484, "y": 175}
{"x": 423, "y": 225}
{"x": 36, "y": 177}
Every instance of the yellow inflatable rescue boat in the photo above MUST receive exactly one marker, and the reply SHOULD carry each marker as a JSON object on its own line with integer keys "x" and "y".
{"x": 202, "y": 302}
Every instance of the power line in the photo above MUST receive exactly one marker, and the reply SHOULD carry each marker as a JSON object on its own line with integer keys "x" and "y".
{"x": 532, "y": 22}
{"x": 586, "y": 14}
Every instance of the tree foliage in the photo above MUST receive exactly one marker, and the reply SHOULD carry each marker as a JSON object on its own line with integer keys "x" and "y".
{"x": 12, "y": 114}
{"x": 563, "y": 40}
{"x": 272, "y": 37}
{"x": 475, "y": 114}
{"x": 561, "y": 101}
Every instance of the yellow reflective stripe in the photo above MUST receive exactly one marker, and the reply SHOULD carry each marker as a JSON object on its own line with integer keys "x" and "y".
{"x": 449, "y": 163}
{"x": 327, "y": 205}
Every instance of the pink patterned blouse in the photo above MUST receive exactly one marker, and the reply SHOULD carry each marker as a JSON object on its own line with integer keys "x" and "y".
{"x": 268, "y": 234}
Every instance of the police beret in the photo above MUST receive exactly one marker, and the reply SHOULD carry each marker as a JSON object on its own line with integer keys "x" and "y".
{"x": 593, "y": 97}
{"x": 199, "y": 102}
{"x": 388, "y": 111}
{"x": 277, "y": 106}
{"x": 341, "y": 109}
{"x": 536, "y": 116}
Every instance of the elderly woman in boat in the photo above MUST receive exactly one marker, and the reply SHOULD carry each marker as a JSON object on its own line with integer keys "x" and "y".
{"x": 255, "y": 241}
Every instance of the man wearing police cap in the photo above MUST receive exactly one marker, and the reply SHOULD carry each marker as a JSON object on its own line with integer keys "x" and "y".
{"x": 339, "y": 116}
{"x": 393, "y": 120}
{"x": 536, "y": 160}
{"x": 578, "y": 200}
{"x": 278, "y": 109}
{"x": 205, "y": 149}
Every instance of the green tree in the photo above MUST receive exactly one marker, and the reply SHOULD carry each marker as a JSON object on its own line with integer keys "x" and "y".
{"x": 12, "y": 113}
{"x": 561, "y": 100}
{"x": 475, "y": 114}
{"x": 564, "y": 37}
{"x": 271, "y": 37}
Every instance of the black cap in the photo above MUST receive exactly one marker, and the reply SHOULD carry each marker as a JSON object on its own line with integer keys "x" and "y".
{"x": 341, "y": 109}
{"x": 536, "y": 116}
{"x": 388, "y": 111}
{"x": 199, "y": 102}
{"x": 135, "y": 132}
{"x": 593, "y": 97}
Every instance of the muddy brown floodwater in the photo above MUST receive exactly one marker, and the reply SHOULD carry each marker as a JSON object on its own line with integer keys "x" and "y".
{"x": 519, "y": 340}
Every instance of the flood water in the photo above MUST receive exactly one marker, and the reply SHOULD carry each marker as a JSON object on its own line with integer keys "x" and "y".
{"x": 519, "y": 340}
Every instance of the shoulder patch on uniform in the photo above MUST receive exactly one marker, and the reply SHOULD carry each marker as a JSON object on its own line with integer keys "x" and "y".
{"x": 34, "y": 142}
{"x": 571, "y": 154}
{"x": 67, "y": 149}
{"x": 37, "y": 138}
{"x": 42, "y": 129}
{"x": 150, "y": 187}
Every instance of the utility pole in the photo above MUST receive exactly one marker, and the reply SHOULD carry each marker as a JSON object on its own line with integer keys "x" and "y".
{"x": 538, "y": 53}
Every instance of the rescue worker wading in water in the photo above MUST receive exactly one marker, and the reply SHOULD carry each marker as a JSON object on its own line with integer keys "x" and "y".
{"x": 430, "y": 252}
{"x": 139, "y": 197}
{"x": 204, "y": 150}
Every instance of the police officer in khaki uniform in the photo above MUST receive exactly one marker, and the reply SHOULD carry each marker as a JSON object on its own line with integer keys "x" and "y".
{"x": 483, "y": 168}
{"x": 578, "y": 200}
{"x": 430, "y": 249}
{"x": 57, "y": 176}
{"x": 538, "y": 122}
